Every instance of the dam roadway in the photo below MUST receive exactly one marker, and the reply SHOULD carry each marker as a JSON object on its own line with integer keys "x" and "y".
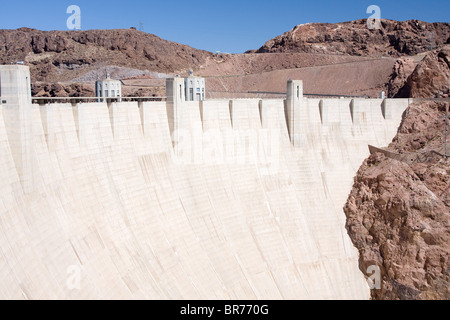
{"x": 98, "y": 202}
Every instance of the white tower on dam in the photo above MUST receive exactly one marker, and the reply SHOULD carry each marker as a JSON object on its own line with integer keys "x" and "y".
{"x": 15, "y": 85}
{"x": 15, "y": 97}
{"x": 108, "y": 88}
{"x": 194, "y": 87}
{"x": 96, "y": 202}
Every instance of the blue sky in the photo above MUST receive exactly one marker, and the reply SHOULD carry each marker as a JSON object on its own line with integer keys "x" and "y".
{"x": 232, "y": 26}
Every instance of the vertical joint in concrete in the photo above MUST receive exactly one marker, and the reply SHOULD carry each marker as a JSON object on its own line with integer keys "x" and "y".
{"x": 260, "y": 107}
{"x": 47, "y": 118}
{"x": 142, "y": 112}
{"x": 201, "y": 112}
{"x": 355, "y": 112}
{"x": 230, "y": 107}
{"x": 386, "y": 109}
{"x": 78, "y": 116}
{"x": 294, "y": 100}
{"x": 324, "y": 110}
{"x": 112, "y": 108}
{"x": 175, "y": 91}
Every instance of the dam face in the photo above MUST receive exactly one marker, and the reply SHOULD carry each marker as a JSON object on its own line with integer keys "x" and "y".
{"x": 216, "y": 199}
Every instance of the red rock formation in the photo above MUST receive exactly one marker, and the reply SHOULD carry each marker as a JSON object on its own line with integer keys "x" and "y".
{"x": 398, "y": 215}
{"x": 355, "y": 38}
{"x": 78, "y": 56}
{"x": 431, "y": 77}
{"x": 50, "y": 53}
{"x": 401, "y": 71}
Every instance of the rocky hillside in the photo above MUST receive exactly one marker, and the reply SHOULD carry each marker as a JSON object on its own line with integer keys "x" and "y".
{"x": 354, "y": 38}
{"x": 398, "y": 213}
{"x": 66, "y": 63}
{"x": 63, "y": 55}
{"x": 430, "y": 78}
{"x": 426, "y": 78}
{"x": 401, "y": 71}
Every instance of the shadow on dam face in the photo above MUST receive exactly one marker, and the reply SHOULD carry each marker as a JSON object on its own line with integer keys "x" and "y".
{"x": 115, "y": 203}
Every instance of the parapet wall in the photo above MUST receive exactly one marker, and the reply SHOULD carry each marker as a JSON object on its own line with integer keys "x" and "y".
{"x": 356, "y": 113}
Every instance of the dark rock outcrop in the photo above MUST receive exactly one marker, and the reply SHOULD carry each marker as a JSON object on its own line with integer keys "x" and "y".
{"x": 61, "y": 90}
{"x": 431, "y": 77}
{"x": 401, "y": 71}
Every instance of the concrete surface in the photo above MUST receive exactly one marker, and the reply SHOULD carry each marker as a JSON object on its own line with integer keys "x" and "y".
{"x": 110, "y": 208}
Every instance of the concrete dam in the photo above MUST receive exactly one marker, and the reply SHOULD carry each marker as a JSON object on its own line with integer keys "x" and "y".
{"x": 216, "y": 199}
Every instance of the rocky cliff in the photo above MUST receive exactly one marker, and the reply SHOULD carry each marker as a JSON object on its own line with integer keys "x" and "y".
{"x": 430, "y": 78}
{"x": 398, "y": 213}
{"x": 394, "y": 38}
{"x": 401, "y": 71}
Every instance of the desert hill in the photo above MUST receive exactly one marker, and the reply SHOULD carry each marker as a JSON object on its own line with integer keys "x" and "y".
{"x": 66, "y": 63}
{"x": 394, "y": 38}
{"x": 66, "y": 55}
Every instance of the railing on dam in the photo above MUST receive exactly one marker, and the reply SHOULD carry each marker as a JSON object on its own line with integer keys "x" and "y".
{"x": 316, "y": 95}
{"x": 272, "y": 94}
{"x": 75, "y": 100}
